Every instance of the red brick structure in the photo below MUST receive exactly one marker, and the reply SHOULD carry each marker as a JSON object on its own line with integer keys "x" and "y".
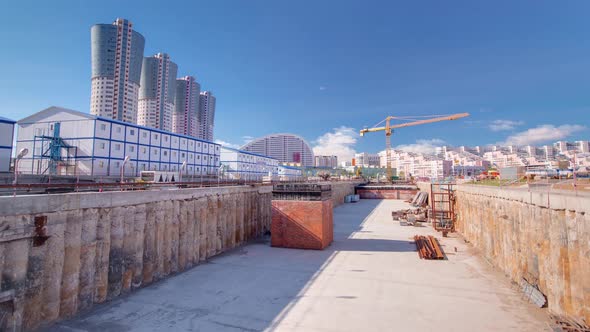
{"x": 392, "y": 193}
{"x": 302, "y": 224}
{"x": 302, "y": 216}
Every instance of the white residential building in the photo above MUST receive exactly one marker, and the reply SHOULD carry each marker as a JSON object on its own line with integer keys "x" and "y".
{"x": 326, "y": 161}
{"x": 503, "y": 159}
{"x": 67, "y": 142}
{"x": 6, "y": 137}
{"x": 365, "y": 159}
{"x": 418, "y": 164}
{"x": 247, "y": 165}
{"x": 583, "y": 146}
{"x": 157, "y": 92}
{"x": 206, "y": 117}
{"x": 286, "y": 148}
{"x": 116, "y": 55}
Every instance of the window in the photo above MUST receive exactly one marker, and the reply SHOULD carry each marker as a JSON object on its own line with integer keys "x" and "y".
{"x": 165, "y": 153}
{"x": 117, "y": 164}
{"x": 155, "y": 136}
{"x": 103, "y": 145}
{"x": 132, "y": 132}
{"x": 131, "y": 148}
{"x": 144, "y": 134}
{"x": 143, "y": 150}
{"x": 182, "y": 155}
{"x": 155, "y": 151}
{"x": 165, "y": 138}
{"x": 101, "y": 164}
{"x": 118, "y": 129}
{"x": 103, "y": 127}
{"x": 117, "y": 147}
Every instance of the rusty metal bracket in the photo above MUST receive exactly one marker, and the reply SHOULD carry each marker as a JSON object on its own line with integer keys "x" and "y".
{"x": 40, "y": 235}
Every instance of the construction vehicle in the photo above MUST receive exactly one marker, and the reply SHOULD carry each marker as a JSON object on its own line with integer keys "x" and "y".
{"x": 388, "y": 128}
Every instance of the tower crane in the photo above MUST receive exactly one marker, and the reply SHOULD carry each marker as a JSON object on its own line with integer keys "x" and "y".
{"x": 388, "y": 128}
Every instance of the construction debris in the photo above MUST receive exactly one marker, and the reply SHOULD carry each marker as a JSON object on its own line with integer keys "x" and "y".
{"x": 531, "y": 291}
{"x": 428, "y": 247}
{"x": 565, "y": 324}
{"x": 420, "y": 199}
{"x": 410, "y": 216}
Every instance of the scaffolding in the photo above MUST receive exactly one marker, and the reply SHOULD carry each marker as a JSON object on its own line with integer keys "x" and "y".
{"x": 51, "y": 159}
{"x": 442, "y": 201}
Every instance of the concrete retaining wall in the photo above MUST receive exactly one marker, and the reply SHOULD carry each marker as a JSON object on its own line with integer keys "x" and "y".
{"x": 102, "y": 245}
{"x": 424, "y": 186}
{"x": 533, "y": 234}
{"x": 342, "y": 189}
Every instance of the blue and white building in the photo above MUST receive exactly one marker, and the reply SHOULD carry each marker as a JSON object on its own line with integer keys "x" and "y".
{"x": 6, "y": 137}
{"x": 289, "y": 173}
{"x": 246, "y": 165}
{"x": 67, "y": 142}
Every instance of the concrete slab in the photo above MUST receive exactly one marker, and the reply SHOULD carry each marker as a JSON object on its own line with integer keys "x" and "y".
{"x": 369, "y": 279}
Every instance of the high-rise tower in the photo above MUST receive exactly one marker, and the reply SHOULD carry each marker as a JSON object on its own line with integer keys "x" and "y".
{"x": 186, "y": 106}
{"x": 116, "y": 56}
{"x": 157, "y": 92}
{"x": 206, "y": 115}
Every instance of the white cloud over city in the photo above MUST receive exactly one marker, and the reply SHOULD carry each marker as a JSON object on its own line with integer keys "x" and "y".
{"x": 228, "y": 144}
{"x": 427, "y": 146}
{"x": 542, "y": 134}
{"x": 339, "y": 142}
{"x": 501, "y": 125}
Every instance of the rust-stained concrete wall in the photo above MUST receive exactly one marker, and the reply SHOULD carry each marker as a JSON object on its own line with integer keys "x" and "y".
{"x": 525, "y": 232}
{"x": 102, "y": 245}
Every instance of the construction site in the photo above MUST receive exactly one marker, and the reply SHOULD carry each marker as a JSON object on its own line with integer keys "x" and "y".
{"x": 297, "y": 255}
{"x": 325, "y": 256}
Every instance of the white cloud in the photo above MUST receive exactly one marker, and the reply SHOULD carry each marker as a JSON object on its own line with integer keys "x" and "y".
{"x": 228, "y": 144}
{"x": 427, "y": 146}
{"x": 500, "y": 125}
{"x": 247, "y": 139}
{"x": 322, "y": 88}
{"x": 339, "y": 142}
{"x": 543, "y": 133}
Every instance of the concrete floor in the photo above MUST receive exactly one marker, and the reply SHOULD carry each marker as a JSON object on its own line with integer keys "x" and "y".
{"x": 369, "y": 279}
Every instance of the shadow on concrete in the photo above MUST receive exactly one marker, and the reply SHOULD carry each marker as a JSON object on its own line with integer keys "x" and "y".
{"x": 251, "y": 288}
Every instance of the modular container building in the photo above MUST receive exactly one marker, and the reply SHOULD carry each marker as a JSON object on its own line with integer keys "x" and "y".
{"x": 247, "y": 165}
{"x": 6, "y": 137}
{"x": 68, "y": 142}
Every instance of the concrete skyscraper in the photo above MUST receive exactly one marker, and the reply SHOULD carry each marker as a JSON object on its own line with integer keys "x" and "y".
{"x": 186, "y": 107}
{"x": 206, "y": 115}
{"x": 116, "y": 56}
{"x": 157, "y": 92}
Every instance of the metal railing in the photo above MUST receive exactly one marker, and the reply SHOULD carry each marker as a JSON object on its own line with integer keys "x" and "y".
{"x": 50, "y": 188}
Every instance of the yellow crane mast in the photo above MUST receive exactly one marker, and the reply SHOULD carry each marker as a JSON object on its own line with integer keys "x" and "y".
{"x": 388, "y": 128}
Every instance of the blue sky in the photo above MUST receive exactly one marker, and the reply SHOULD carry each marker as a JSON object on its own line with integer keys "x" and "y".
{"x": 521, "y": 68}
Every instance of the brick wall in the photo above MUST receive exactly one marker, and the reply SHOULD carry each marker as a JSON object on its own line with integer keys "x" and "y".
{"x": 386, "y": 193}
{"x": 302, "y": 224}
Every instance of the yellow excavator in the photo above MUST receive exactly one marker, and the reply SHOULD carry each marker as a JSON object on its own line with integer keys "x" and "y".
{"x": 388, "y": 128}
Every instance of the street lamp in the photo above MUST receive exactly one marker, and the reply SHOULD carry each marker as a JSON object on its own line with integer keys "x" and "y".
{"x": 219, "y": 172}
{"x": 182, "y": 169}
{"x": 123, "y": 167}
{"x": 23, "y": 152}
